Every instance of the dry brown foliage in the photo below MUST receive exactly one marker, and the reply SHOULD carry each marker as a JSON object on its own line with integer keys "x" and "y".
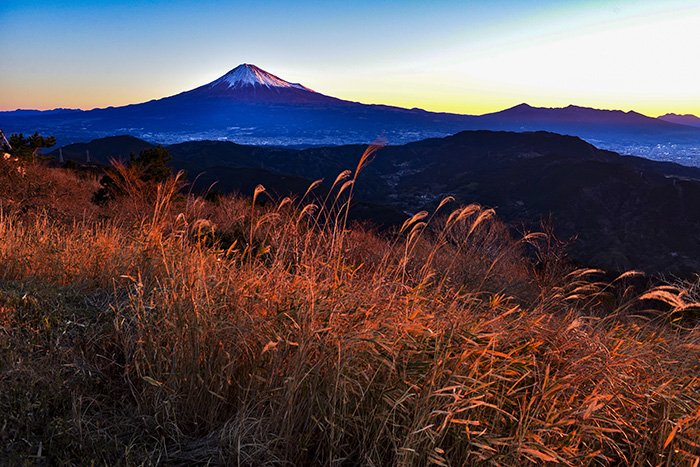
{"x": 179, "y": 331}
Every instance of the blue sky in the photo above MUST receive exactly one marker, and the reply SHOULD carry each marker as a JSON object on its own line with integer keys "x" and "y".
{"x": 459, "y": 56}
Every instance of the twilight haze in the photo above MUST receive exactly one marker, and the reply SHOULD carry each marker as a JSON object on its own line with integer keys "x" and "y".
{"x": 455, "y": 56}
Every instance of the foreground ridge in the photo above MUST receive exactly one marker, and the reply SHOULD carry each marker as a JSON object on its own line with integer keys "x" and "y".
{"x": 163, "y": 327}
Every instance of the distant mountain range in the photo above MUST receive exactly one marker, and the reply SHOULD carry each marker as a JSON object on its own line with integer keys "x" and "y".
{"x": 624, "y": 212}
{"x": 687, "y": 119}
{"x": 250, "y": 105}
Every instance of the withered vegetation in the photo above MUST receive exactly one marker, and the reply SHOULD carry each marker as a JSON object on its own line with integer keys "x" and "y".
{"x": 165, "y": 328}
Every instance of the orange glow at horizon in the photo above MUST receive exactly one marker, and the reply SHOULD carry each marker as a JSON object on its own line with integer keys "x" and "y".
{"x": 622, "y": 55}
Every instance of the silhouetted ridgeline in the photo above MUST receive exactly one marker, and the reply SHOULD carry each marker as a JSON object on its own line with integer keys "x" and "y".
{"x": 253, "y": 106}
{"x": 620, "y": 212}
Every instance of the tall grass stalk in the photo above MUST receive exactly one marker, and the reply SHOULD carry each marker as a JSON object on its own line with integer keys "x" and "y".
{"x": 278, "y": 334}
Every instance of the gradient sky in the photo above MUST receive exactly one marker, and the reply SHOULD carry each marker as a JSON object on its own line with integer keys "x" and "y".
{"x": 456, "y": 56}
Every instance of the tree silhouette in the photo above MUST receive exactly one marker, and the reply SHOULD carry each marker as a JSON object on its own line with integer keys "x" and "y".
{"x": 153, "y": 163}
{"x": 140, "y": 175}
{"x": 27, "y": 148}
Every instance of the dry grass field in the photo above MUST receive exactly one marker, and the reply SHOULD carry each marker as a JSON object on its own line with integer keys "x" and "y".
{"x": 165, "y": 328}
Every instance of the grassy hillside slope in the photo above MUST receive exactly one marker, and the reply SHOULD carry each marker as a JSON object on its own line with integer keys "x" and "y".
{"x": 163, "y": 328}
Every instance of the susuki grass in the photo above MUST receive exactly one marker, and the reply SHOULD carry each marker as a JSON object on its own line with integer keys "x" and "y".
{"x": 168, "y": 329}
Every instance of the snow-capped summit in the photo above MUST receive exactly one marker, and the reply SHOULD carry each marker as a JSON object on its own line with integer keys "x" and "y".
{"x": 252, "y": 85}
{"x": 250, "y": 75}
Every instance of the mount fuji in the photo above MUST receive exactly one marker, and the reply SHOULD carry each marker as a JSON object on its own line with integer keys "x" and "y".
{"x": 251, "y": 106}
{"x": 246, "y": 105}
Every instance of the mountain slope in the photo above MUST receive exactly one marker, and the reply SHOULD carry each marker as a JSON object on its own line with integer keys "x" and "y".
{"x": 248, "y": 105}
{"x": 624, "y": 212}
{"x": 166, "y": 329}
{"x": 583, "y": 118}
{"x": 687, "y": 119}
